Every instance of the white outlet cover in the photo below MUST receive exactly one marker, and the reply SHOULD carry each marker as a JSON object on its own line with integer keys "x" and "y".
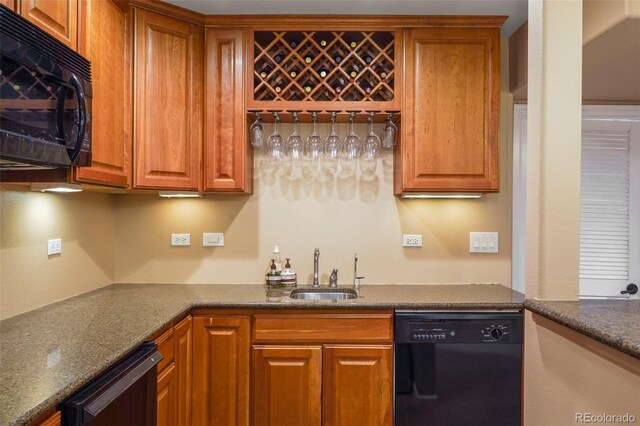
{"x": 412, "y": 240}
{"x": 54, "y": 246}
{"x": 483, "y": 242}
{"x": 180, "y": 239}
{"x": 213, "y": 239}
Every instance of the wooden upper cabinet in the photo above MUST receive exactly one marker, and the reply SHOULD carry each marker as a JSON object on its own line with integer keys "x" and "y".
{"x": 11, "y": 4}
{"x": 228, "y": 159}
{"x": 106, "y": 40}
{"x": 220, "y": 371}
{"x": 57, "y": 17}
{"x": 168, "y": 102}
{"x": 357, "y": 385}
{"x": 450, "y": 122}
{"x": 287, "y": 385}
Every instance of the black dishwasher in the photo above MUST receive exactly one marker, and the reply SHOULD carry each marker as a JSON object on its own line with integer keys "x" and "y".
{"x": 458, "y": 368}
{"x": 125, "y": 394}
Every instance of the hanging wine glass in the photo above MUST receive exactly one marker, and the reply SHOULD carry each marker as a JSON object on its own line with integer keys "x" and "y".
{"x": 275, "y": 143}
{"x": 389, "y": 133}
{"x": 370, "y": 151}
{"x": 313, "y": 146}
{"x": 295, "y": 145}
{"x": 333, "y": 144}
{"x": 257, "y": 132}
{"x": 350, "y": 150}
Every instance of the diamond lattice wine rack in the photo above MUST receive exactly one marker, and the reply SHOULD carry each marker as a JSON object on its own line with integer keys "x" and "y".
{"x": 324, "y": 70}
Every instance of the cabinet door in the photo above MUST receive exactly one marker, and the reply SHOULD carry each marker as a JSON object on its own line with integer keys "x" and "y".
{"x": 184, "y": 356}
{"x": 57, "y": 17}
{"x": 11, "y": 4}
{"x": 357, "y": 385}
{"x": 106, "y": 41}
{"x": 220, "y": 371}
{"x": 450, "y": 124}
{"x": 228, "y": 160}
{"x": 168, "y": 102}
{"x": 167, "y": 396}
{"x": 287, "y": 385}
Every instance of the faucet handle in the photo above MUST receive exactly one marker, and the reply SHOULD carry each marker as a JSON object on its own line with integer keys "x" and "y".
{"x": 356, "y": 282}
{"x": 333, "y": 279}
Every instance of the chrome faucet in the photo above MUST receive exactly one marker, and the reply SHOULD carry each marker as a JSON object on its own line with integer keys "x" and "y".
{"x": 356, "y": 278}
{"x": 316, "y": 256}
{"x": 333, "y": 279}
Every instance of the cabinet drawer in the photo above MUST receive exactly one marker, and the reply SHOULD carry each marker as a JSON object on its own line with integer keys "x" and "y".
{"x": 350, "y": 328}
{"x": 166, "y": 347}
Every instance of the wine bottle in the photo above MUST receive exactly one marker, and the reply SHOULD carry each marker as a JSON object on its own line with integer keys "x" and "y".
{"x": 278, "y": 89}
{"x": 323, "y": 73}
{"x": 263, "y": 74}
{"x": 278, "y": 58}
{"x": 307, "y": 89}
{"x": 293, "y": 74}
{"x": 308, "y": 59}
{"x": 337, "y": 58}
{"x": 353, "y": 73}
{"x": 368, "y": 59}
{"x": 293, "y": 44}
{"x": 337, "y": 88}
{"x": 323, "y": 43}
{"x": 353, "y": 44}
{"x": 383, "y": 74}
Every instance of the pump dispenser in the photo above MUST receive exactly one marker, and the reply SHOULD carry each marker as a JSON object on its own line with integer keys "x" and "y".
{"x": 273, "y": 276}
{"x": 277, "y": 259}
{"x": 288, "y": 276}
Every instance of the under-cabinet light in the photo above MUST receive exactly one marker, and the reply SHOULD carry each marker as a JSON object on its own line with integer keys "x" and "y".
{"x": 56, "y": 187}
{"x": 461, "y": 195}
{"x": 179, "y": 194}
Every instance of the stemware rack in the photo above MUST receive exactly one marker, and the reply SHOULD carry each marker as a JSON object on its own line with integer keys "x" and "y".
{"x": 324, "y": 66}
{"x": 324, "y": 116}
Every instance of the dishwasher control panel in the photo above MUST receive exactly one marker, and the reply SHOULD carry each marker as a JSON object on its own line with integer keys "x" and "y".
{"x": 490, "y": 329}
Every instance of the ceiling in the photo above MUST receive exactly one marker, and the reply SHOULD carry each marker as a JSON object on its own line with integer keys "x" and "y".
{"x": 516, "y": 10}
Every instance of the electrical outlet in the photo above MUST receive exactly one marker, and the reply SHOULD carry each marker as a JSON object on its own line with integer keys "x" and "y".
{"x": 54, "y": 247}
{"x": 180, "y": 239}
{"x": 212, "y": 239}
{"x": 412, "y": 241}
{"x": 483, "y": 242}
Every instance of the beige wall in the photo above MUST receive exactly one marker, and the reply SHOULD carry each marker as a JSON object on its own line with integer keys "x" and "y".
{"x": 30, "y": 279}
{"x": 568, "y": 373}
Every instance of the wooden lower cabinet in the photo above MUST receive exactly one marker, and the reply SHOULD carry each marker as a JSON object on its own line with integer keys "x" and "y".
{"x": 174, "y": 375}
{"x": 54, "y": 419}
{"x": 167, "y": 396}
{"x": 357, "y": 385}
{"x": 287, "y": 385}
{"x": 221, "y": 346}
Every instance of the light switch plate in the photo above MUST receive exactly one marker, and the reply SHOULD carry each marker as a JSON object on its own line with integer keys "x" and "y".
{"x": 213, "y": 239}
{"x": 180, "y": 239}
{"x": 483, "y": 242}
{"x": 412, "y": 241}
{"x": 54, "y": 247}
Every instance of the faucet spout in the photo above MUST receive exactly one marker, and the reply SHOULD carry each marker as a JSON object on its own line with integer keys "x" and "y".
{"x": 316, "y": 258}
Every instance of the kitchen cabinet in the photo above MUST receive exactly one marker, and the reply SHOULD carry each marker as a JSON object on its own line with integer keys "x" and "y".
{"x": 450, "y": 124}
{"x": 106, "y": 40}
{"x": 357, "y": 385}
{"x": 322, "y": 368}
{"x": 174, "y": 374}
{"x": 228, "y": 158}
{"x": 287, "y": 385}
{"x": 221, "y": 348}
{"x": 57, "y": 17}
{"x": 11, "y": 4}
{"x": 167, "y": 102}
{"x": 52, "y": 420}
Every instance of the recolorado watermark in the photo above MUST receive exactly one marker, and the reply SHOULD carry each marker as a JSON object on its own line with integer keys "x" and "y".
{"x": 605, "y": 418}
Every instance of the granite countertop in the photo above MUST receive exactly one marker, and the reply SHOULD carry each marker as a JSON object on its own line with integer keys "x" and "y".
{"x": 615, "y": 323}
{"x": 48, "y": 353}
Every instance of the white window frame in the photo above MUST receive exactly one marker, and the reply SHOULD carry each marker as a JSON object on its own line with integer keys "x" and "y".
{"x": 590, "y": 113}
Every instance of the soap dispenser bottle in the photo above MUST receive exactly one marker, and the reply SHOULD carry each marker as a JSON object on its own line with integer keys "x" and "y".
{"x": 288, "y": 276}
{"x": 273, "y": 276}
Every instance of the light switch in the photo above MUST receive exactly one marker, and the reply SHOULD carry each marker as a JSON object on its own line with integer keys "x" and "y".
{"x": 213, "y": 239}
{"x": 483, "y": 242}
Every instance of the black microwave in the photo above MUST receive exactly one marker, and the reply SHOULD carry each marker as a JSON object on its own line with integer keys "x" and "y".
{"x": 45, "y": 99}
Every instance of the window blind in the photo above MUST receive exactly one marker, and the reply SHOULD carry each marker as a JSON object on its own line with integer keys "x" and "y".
{"x": 604, "y": 209}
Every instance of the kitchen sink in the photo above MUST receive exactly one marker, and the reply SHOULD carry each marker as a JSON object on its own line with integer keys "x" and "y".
{"x": 323, "y": 293}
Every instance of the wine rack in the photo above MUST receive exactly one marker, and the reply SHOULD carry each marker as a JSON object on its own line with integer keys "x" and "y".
{"x": 354, "y": 67}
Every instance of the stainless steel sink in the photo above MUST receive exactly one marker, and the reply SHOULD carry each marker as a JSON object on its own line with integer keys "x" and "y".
{"x": 323, "y": 293}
